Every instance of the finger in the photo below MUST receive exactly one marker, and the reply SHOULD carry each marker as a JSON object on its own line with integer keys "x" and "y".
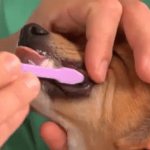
{"x": 101, "y": 19}
{"x": 54, "y": 136}
{"x": 10, "y": 68}
{"x": 17, "y": 95}
{"x": 102, "y": 23}
{"x": 136, "y": 23}
{"x": 12, "y": 123}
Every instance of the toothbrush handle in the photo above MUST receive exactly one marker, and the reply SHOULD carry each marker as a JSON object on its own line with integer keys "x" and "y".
{"x": 62, "y": 75}
{"x": 36, "y": 70}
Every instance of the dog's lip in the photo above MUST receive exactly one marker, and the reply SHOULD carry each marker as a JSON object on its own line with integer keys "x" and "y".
{"x": 28, "y": 55}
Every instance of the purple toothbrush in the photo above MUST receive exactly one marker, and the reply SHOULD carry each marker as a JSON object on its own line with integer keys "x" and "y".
{"x": 62, "y": 75}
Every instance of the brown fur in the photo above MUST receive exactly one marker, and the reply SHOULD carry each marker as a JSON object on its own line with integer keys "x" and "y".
{"x": 116, "y": 115}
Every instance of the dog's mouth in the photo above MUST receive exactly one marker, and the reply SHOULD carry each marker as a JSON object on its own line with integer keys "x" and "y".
{"x": 37, "y": 47}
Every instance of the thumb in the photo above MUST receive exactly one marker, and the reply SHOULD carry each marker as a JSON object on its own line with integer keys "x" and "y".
{"x": 54, "y": 136}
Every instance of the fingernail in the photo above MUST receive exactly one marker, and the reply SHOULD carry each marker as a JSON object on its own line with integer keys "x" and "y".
{"x": 32, "y": 83}
{"x": 103, "y": 70}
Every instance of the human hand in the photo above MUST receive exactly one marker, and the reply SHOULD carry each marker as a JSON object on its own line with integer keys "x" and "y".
{"x": 54, "y": 136}
{"x": 17, "y": 89}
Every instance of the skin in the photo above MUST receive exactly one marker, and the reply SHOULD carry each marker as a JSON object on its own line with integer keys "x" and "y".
{"x": 101, "y": 19}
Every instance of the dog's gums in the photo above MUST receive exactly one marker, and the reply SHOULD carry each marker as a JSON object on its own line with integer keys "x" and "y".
{"x": 36, "y": 46}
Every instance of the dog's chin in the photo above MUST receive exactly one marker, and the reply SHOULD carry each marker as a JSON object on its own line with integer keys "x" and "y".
{"x": 52, "y": 87}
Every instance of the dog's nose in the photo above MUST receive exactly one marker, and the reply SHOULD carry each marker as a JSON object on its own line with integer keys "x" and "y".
{"x": 33, "y": 30}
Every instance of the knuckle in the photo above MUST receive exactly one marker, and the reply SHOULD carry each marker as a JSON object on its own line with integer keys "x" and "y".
{"x": 31, "y": 81}
{"x": 29, "y": 86}
{"x": 8, "y": 56}
{"x": 5, "y": 53}
{"x": 2, "y": 53}
{"x": 10, "y": 67}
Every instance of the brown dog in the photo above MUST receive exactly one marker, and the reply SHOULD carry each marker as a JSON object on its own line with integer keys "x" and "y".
{"x": 114, "y": 115}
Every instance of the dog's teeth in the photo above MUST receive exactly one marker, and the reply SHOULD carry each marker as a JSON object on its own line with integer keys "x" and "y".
{"x": 38, "y": 50}
{"x": 48, "y": 63}
{"x": 41, "y": 52}
{"x": 51, "y": 64}
{"x": 44, "y": 63}
{"x": 31, "y": 62}
{"x": 44, "y": 53}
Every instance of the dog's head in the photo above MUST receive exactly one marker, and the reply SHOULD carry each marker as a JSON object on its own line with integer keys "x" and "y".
{"x": 113, "y": 115}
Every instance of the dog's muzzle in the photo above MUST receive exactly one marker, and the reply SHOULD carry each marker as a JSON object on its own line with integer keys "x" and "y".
{"x": 34, "y": 47}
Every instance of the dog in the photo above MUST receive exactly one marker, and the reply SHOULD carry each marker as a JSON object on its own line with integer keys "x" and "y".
{"x": 114, "y": 115}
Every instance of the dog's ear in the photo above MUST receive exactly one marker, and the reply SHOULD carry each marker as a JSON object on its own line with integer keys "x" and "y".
{"x": 138, "y": 139}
